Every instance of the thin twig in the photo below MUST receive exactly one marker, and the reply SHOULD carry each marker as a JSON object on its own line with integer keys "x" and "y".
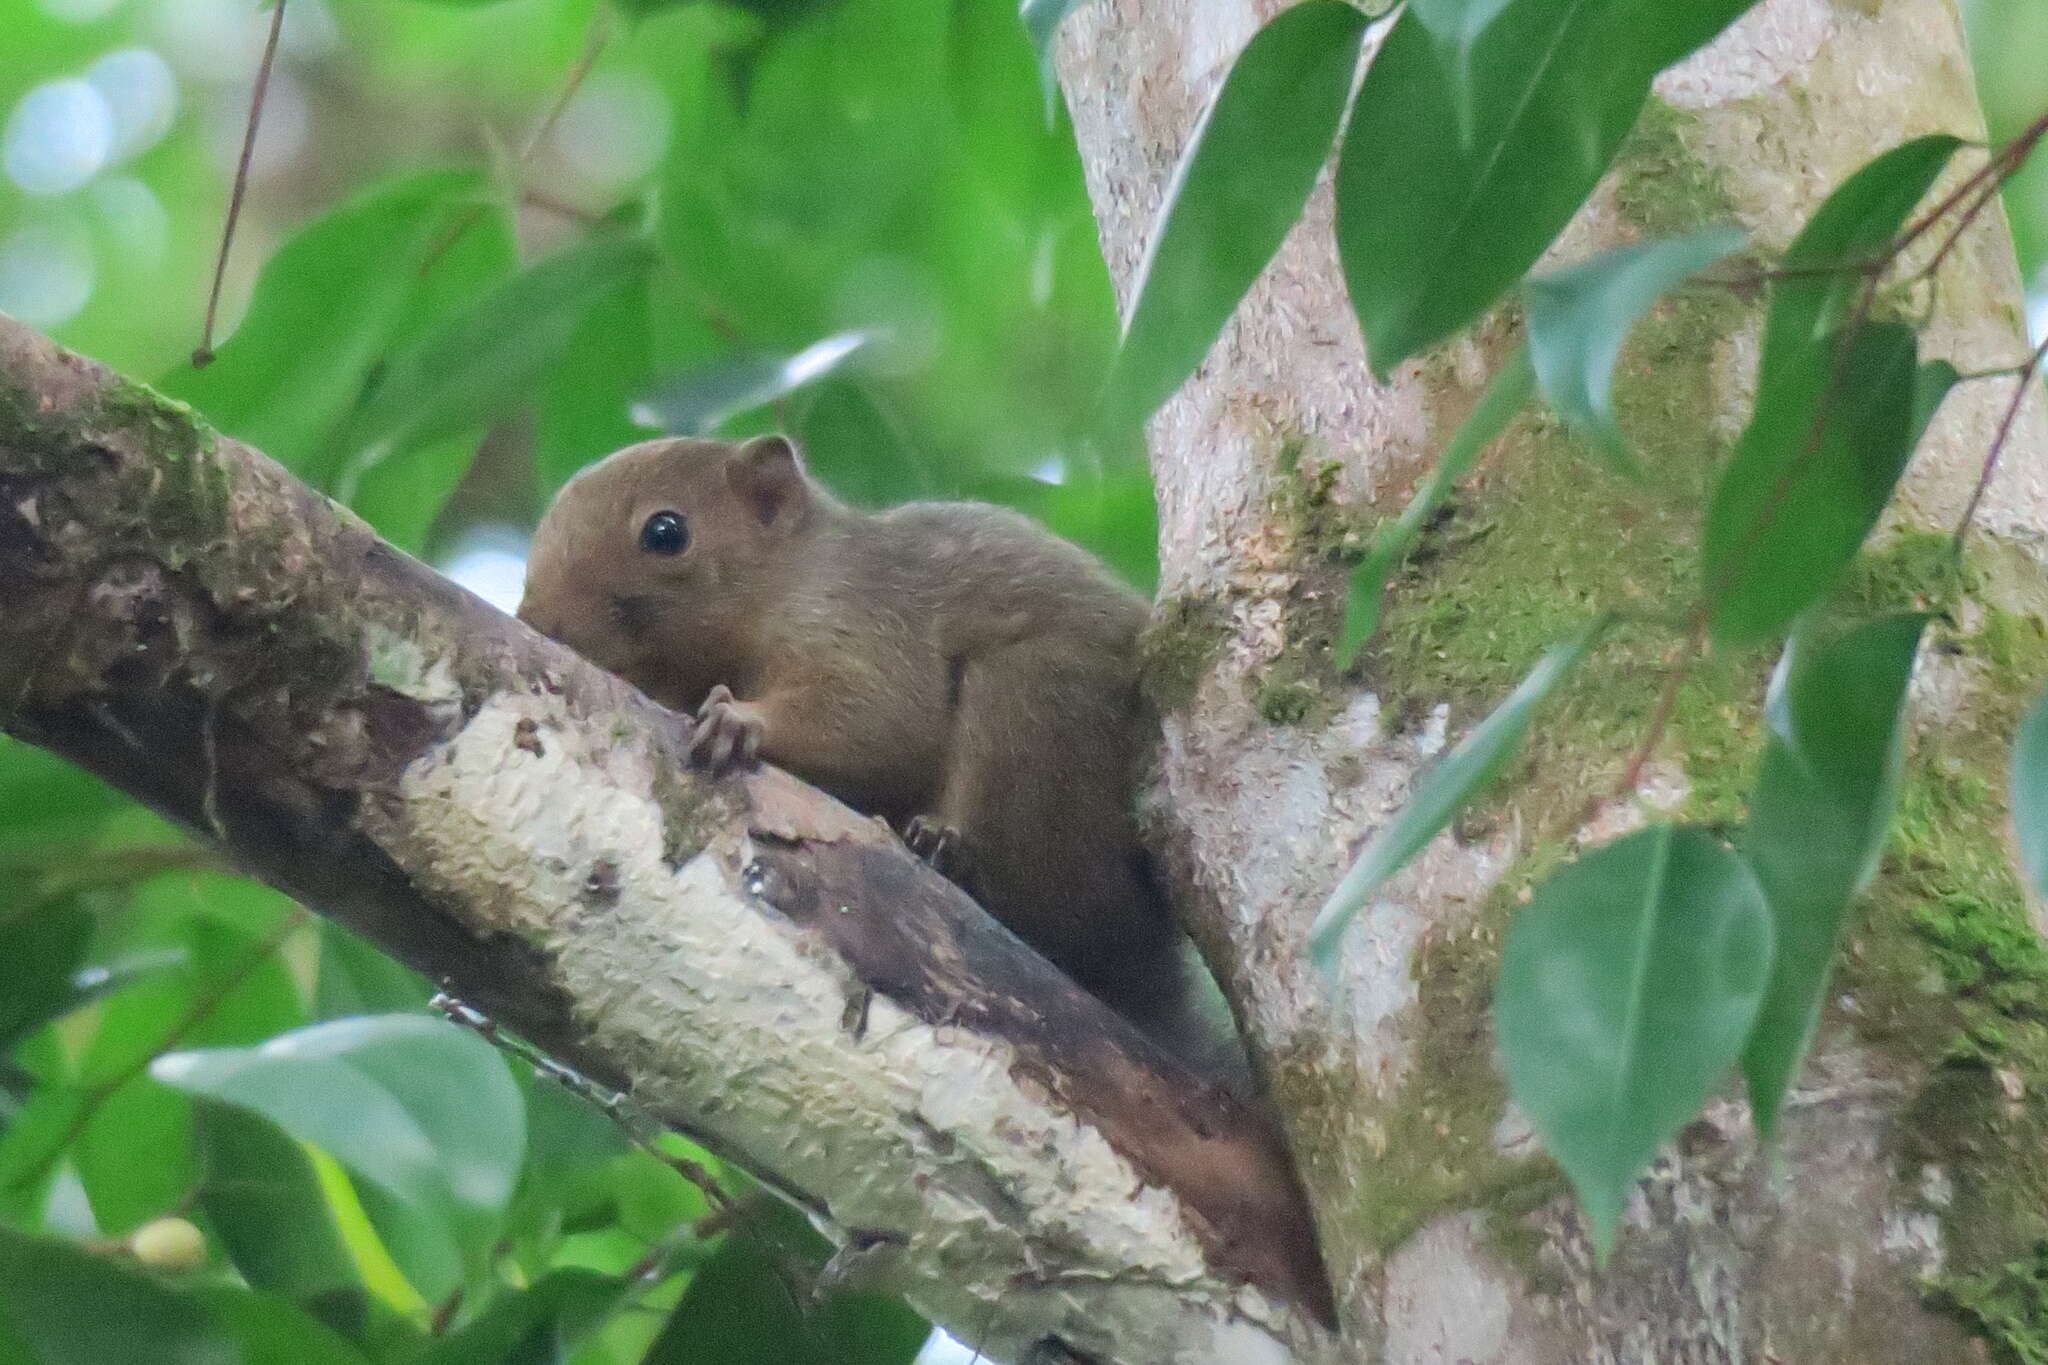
{"x": 594, "y": 41}
{"x": 2005, "y": 425}
{"x": 203, "y": 356}
{"x": 1675, "y": 674}
{"x": 1999, "y": 166}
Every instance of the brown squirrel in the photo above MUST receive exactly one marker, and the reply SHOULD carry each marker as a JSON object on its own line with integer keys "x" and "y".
{"x": 949, "y": 666}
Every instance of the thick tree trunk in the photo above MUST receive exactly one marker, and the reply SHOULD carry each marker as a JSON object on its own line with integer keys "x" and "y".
{"x": 1914, "y": 1157}
{"x": 748, "y": 961}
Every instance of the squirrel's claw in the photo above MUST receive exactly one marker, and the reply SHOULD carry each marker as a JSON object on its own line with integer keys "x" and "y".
{"x": 727, "y": 734}
{"x": 938, "y": 844}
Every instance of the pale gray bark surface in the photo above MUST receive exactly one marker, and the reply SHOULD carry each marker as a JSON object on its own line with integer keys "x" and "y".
{"x": 1718, "y": 1263}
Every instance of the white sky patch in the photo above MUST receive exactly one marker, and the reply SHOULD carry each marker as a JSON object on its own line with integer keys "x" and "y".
{"x": 491, "y": 562}
{"x": 940, "y": 1349}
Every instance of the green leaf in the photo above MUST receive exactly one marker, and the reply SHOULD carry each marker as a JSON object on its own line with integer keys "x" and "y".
{"x": 263, "y": 1201}
{"x": 1627, "y": 987}
{"x": 1242, "y": 181}
{"x": 1443, "y": 791}
{"x": 324, "y": 308}
{"x": 1931, "y": 383}
{"x": 1817, "y": 823}
{"x": 2029, "y": 789}
{"x": 1494, "y": 139}
{"x": 739, "y": 1310}
{"x": 46, "y": 802}
{"x": 356, "y": 978}
{"x": 539, "y": 1325}
{"x": 67, "y": 1307}
{"x": 1808, "y": 479}
{"x": 270, "y": 1329}
{"x": 1506, "y": 394}
{"x": 586, "y": 402}
{"x": 486, "y": 360}
{"x": 135, "y": 1158}
{"x": 701, "y": 399}
{"x": 1580, "y": 317}
{"x": 1810, "y": 301}
{"x": 39, "y": 956}
{"x": 420, "y": 1107}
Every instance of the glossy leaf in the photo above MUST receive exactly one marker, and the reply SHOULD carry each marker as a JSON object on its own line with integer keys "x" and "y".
{"x": 2029, "y": 792}
{"x": 1807, "y": 480}
{"x": 1494, "y": 139}
{"x": 1810, "y": 301}
{"x": 418, "y": 1106}
{"x": 702, "y": 399}
{"x": 1506, "y": 394}
{"x": 355, "y": 978}
{"x": 1817, "y": 823}
{"x": 538, "y": 1325}
{"x": 1242, "y": 180}
{"x": 739, "y": 1310}
{"x": 1580, "y": 317}
{"x": 1443, "y": 790}
{"x": 262, "y": 1199}
{"x": 266, "y": 1328}
{"x": 1627, "y": 987}
{"x": 488, "y": 359}
{"x": 68, "y": 1307}
{"x": 39, "y": 956}
{"x": 324, "y": 308}
{"x": 135, "y": 1157}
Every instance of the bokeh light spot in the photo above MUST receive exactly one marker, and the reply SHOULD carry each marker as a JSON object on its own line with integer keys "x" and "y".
{"x": 58, "y": 137}
{"x": 46, "y": 271}
{"x": 142, "y": 95}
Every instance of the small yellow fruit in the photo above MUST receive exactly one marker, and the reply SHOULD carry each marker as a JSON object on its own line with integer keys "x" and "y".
{"x": 169, "y": 1244}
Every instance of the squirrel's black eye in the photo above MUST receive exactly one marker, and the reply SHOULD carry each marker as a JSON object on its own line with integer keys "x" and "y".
{"x": 665, "y": 534}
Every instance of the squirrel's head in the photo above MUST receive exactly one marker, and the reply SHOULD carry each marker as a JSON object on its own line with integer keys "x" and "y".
{"x": 659, "y": 561}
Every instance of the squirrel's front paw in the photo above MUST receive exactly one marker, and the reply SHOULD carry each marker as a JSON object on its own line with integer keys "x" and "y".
{"x": 937, "y": 843}
{"x": 727, "y": 733}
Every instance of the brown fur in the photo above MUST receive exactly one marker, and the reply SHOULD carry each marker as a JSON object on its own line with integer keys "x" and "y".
{"x": 949, "y": 661}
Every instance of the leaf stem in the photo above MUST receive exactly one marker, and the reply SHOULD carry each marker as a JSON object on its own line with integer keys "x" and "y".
{"x": 203, "y": 355}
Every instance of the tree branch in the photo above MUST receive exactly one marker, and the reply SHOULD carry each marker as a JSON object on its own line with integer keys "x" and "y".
{"x": 752, "y": 962}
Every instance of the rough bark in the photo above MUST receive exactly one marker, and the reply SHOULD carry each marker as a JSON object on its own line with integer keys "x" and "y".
{"x": 1448, "y": 1240}
{"x": 751, "y": 962}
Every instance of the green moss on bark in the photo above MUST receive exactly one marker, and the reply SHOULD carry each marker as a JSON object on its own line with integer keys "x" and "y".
{"x": 1182, "y": 642}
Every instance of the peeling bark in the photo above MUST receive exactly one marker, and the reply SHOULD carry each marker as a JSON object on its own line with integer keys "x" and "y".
{"x": 1448, "y": 1238}
{"x": 751, "y": 962}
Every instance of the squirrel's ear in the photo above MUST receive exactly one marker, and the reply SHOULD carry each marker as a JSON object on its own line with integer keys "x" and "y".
{"x": 768, "y": 474}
